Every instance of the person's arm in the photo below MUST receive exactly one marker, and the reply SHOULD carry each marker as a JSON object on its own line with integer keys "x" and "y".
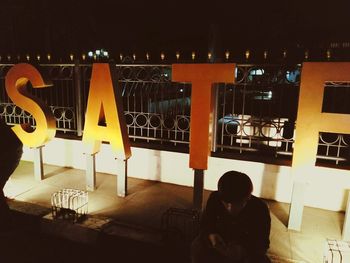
{"x": 208, "y": 221}
{"x": 259, "y": 240}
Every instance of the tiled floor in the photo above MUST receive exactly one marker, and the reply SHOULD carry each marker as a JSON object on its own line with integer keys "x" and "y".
{"x": 147, "y": 200}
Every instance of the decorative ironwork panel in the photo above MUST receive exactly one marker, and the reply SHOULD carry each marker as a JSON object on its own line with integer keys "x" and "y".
{"x": 258, "y": 111}
{"x": 155, "y": 109}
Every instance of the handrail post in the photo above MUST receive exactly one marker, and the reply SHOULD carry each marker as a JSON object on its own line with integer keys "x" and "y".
{"x": 78, "y": 98}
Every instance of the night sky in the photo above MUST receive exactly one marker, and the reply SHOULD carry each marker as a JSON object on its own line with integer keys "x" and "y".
{"x": 138, "y": 26}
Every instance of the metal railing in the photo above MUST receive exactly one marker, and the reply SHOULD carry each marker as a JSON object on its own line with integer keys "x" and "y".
{"x": 254, "y": 115}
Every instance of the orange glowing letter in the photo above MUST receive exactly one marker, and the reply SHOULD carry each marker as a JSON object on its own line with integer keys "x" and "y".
{"x": 15, "y": 82}
{"x": 310, "y": 119}
{"x": 202, "y": 76}
{"x": 103, "y": 103}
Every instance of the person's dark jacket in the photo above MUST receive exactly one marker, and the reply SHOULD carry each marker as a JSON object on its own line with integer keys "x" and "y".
{"x": 250, "y": 228}
{"x": 10, "y": 150}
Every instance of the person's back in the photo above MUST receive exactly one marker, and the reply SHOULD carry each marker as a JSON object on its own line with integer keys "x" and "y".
{"x": 235, "y": 224}
{"x": 10, "y": 155}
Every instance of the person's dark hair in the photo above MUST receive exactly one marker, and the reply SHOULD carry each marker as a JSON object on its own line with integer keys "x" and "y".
{"x": 234, "y": 186}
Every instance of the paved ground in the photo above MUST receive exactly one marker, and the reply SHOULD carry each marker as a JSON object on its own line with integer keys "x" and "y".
{"x": 129, "y": 227}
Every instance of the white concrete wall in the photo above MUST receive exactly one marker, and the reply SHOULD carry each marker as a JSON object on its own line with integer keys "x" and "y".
{"x": 326, "y": 187}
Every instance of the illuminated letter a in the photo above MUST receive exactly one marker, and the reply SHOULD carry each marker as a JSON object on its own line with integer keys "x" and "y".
{"x": 103, "y": 103}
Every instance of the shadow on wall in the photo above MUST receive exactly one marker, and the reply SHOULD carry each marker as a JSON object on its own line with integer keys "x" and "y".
{"x": 345, "y": 199}
{"x": 158, "y": 174}
{"x": 268, "y": 189}
{"x": 340, "y": 217}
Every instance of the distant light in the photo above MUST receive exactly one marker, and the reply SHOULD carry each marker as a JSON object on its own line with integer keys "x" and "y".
{"x": 269, "y": 95}
{"x": 99, "y": 53}
{"x": 209, "y": 55}
{"x": 28, "y": 57}
{"x": 284, "y": 53}
{"x": 121, "y": 56}
{"x": 265, "y": 54}
{"x": 227, "y": 54}
{"x": 162, "y": 56}
{"x": 134, "y": 56}
{"x": 257, "y": 72}
{"x": 147, "y": 56}
{"x": 247, "y": 54}
{"x": 83, "y": 56}
{"x": 177, "y": 55}
{"x": 193, "y": 55}
{"x": 181, "y": 90}
{"x": 38, "y": 57}
{"x": 48, "y": 57}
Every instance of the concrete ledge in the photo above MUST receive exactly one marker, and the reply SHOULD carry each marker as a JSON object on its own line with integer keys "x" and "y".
{"x": 86, "y": 232}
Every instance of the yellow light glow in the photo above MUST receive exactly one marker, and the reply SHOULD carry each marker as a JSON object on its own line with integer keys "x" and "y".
{"x": 193, "y": 55}
{"x": 247, "y": 54}
{"x": 227, "y": 54}
{"x": 162, "y": 56}
{"x": 202, "y": 76}
{"x": 15, "y": 82}
{"x": 209, "y": 55}
{"x": 284, "y": 53}
{"x": 105, "y": 105}
{"x": 177, "y": 55}
{"x": 265, "y": 54}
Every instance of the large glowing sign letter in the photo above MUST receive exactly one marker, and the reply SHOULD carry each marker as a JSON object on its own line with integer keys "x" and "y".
{"x": 311, "y": 120}
{"x": 105, "y": 104}
{"x": 202, "y": 76}
{"x": 15, "y": 82}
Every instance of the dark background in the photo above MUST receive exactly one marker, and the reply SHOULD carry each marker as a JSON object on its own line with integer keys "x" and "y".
{"x": 64, "y": 27}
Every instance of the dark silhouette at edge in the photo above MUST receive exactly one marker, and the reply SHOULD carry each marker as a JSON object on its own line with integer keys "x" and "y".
{"x": 11, "y": 149}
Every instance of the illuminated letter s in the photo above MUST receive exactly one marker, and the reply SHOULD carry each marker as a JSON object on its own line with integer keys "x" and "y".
{"x": 15, "y": 82}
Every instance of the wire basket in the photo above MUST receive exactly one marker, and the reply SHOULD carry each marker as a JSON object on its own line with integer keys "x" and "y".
{"x": 70, "y": 204}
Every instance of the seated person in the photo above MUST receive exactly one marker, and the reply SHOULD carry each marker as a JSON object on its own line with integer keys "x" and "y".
{"x": 235, "y": 225}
